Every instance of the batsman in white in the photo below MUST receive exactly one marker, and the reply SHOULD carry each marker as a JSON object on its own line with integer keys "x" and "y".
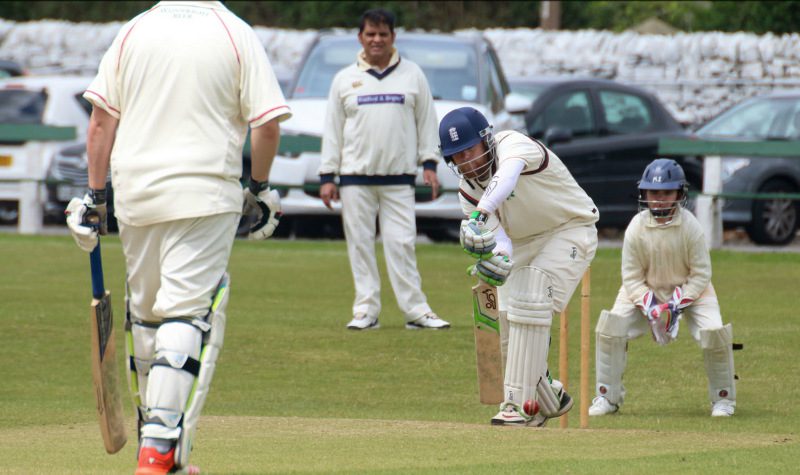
{"x": 172, "y": 102}
{"x": 532, "y": 228}
{"x": 666, "y": 275}
{"x": 380, "y": 126}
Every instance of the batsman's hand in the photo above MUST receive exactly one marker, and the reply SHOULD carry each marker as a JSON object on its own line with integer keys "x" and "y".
{"x": 264, "y": 205}
{"x": 86, "y": 218}
{"x": 493, "y": 270}
{"x": 476, "y": 239}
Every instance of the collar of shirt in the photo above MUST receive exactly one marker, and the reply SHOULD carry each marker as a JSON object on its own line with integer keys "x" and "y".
{"x": 365, "y": 66}
{"x": 651, "y": 222}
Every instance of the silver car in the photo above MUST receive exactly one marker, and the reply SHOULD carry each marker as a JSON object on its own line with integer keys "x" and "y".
{"x": 461, "y": 70}
{"x": 776, "y": 116}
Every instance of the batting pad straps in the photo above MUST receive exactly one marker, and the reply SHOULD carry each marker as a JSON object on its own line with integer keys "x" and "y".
{"x": 178, "y": 361}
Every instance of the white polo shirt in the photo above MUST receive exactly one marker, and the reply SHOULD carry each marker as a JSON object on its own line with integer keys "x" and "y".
{"x": 185, "y": 79}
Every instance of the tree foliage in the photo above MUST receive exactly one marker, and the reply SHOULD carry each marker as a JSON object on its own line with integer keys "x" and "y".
{"x": 758, "y": 17}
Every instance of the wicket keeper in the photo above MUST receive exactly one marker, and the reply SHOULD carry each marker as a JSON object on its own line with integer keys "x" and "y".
{"x": 532, "y": 228}
{"x": 666, "y": 275}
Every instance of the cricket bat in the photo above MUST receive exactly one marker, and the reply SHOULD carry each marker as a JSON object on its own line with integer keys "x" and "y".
{"x": 487, "y": 343}
{"x": 104, "y": 361}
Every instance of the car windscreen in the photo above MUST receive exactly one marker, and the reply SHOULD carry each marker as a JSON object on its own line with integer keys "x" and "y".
{"x": 449, "y": 67}
{"x": 764, "y": 119}
{"x": 18, "y": 106}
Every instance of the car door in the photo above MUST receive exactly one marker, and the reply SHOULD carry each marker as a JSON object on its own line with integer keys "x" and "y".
{"x": 630, "y": 142}
{"x": 571, "y": 115}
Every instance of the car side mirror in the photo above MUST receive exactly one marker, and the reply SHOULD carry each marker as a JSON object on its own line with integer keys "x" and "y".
{"x": 555, "y": 135}
{"x": 516, "y": 103}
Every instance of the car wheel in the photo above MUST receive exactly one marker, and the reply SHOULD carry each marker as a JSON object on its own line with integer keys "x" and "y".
{"x": 774, "y": 221}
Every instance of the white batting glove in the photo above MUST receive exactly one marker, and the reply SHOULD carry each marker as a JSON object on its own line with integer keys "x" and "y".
{"x": 493, "y": 270}
{"x": 79, "y": 212}
{"x": 476, "y": 239}
{"x": 265, "y": 206}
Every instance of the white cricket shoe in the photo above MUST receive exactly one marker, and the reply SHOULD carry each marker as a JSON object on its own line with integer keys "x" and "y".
{"x": 428, "y": 321}
{"x": 602, "y": 406}
{"x": 362, "y": 321}
{"x": 511, "y": 415}
{"x": 723, "y": 408}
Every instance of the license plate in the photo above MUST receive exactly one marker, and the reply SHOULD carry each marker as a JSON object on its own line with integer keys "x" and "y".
{"x": 6, "y": 160}
{"x": 66, "y": 192}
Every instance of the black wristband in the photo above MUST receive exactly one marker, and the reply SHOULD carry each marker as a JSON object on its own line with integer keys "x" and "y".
{"x": 256, "y": 186}
{"x": 98, "y": 196}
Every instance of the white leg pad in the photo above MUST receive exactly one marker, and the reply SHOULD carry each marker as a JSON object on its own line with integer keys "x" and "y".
{"x": 503, "y": 337}
{"x": 530, "y": 313}
{"x": 185, "y": 357}
{"x": 718, "y": 358}
{"x": 611, "y": 356}
{"x": 140, "y": 346}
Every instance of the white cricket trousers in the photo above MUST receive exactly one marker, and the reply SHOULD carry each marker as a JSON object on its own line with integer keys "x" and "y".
{"x": 564, "y": 255}
{"x": 174, "y": 267}
{"x": 393, "y": 205}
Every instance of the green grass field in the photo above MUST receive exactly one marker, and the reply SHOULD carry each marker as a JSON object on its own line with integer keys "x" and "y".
{"x": 295, "y": 392}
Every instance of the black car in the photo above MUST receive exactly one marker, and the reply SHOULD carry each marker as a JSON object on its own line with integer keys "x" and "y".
{"x": 773, "y": 117}
{"x": 605, "y": 133}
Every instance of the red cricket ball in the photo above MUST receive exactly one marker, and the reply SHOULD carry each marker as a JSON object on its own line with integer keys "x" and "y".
{"x": 531, "y": 407}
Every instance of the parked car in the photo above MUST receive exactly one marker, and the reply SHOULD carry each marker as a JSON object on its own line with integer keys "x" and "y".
{"x": 461, "y": 69}
{"x": 31, "y": 101}
{"x": 770, "y": 117}
{"x": 10, "y": 68}
{"x": 605, "y": 133}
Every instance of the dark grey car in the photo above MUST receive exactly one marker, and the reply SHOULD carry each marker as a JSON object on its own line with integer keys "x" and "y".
{"x": 606, "y": 133}
{"x": 770, "y": 117}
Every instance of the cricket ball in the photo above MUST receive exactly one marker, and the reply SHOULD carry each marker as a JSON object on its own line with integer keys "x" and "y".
{"x": 531, "y": 407}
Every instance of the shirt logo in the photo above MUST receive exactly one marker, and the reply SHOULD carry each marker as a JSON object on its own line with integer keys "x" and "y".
{"x": 381, "y": 99}
{"x": 357, "y": 84}
{"x": 453, "y": 134}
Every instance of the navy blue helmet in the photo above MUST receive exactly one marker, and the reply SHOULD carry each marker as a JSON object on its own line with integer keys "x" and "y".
{"x": 663, "y": 174}
{"x": 461, "y": 129}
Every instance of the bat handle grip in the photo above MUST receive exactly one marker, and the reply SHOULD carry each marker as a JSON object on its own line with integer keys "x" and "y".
{"x": 96, "y": 261}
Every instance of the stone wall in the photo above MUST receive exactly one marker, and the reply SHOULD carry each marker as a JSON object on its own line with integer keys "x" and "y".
{"x": 695, "y": 74}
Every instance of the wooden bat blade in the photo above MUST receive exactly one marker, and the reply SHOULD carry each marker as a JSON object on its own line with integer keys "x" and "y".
{"x": 105, "y": 375}
{"x": 487, "y": 343}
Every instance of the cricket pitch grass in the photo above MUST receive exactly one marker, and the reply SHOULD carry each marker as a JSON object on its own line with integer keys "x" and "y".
{"x": 295, "y": 392}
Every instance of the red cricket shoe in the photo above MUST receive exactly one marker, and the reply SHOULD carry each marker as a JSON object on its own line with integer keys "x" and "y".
{"x": 153, "y": 462}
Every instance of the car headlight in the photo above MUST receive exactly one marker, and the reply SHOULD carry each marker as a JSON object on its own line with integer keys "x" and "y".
{"x": 732, "y": 165}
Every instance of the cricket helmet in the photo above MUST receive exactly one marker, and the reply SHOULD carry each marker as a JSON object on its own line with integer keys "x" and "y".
{"x": 663, "y": 174}
{"x": 461, "y": 129}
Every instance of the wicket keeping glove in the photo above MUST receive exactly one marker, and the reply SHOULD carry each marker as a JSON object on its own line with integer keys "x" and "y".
{"x": 652, "y": 311}
{"x": 265, "y": 206}
{"x": 476, "y": 239}
{"x": 493, "y": 270}
{"x": 675, "y": 308}
{"x": 86, "y": 218}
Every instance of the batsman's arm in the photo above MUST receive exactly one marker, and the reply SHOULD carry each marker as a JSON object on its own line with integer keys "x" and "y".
{"x": 264, "y": 142}
{"x": 99, "y": 142}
